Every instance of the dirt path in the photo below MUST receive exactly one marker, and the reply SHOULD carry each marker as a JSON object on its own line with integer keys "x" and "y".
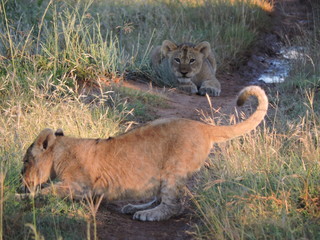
{"x": 114, "y": 225}
{"x": 185, "y": 105}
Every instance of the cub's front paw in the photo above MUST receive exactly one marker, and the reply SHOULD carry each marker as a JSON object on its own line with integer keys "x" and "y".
{"x": 189, "y": 88}
{"x": 150, "y": 215}
{"x": 211, "y": 91}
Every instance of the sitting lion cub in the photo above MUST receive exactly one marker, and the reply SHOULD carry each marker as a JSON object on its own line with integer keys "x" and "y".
{"x": 194, "y": 66}
{"x": 152, "y": 160}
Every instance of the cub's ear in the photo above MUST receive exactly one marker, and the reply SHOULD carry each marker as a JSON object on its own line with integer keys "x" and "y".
{"x": 204, "y": 48}
{"x": 167, "y": 46}
{"x": 59, "y": 132}
{"x": 45, "y": 139}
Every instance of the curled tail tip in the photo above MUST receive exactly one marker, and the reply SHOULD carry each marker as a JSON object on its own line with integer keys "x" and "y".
{"x": 247, "y": 92}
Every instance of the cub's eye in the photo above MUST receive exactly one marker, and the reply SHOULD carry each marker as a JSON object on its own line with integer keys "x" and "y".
{"x": 192, "y": 60}
{"x": 177, "y": 60}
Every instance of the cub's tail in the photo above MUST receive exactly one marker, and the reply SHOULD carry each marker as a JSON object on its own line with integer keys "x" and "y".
{"x": 224, "y": 133}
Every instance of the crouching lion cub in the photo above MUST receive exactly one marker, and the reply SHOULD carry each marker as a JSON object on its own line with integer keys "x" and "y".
{"x": 194, "y": 66}
{"x": 152, "y": 160}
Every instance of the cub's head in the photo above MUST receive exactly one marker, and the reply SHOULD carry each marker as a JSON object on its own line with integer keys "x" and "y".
{"x": 38, "y": 160}
{"x": 185, "y": 59}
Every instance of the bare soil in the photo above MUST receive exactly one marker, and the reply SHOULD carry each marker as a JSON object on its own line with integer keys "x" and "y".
{"x": 289, "y": 16}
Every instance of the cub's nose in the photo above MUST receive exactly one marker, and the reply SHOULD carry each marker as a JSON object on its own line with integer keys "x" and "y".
{"x": 184, "y": 73}
{"x": 23, "y": 171}
{"x": 22, "y": 189}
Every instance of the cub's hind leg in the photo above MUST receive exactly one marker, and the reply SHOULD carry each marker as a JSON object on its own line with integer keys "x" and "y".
{"x": 169, "y": 206}
{"x": 132, "y": 208}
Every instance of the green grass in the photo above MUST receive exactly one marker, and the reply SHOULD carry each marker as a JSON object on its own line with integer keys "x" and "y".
{"x": 143, "y": 103}
{"x": 86, "y": 39}
{"x": 49, "y": 218}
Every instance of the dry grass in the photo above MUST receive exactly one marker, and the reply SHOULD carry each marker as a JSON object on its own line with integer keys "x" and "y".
{"x": 264, "y": 185}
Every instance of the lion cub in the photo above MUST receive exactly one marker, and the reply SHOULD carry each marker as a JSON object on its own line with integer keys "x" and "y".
{"x": 194, "y": 66}
{"x": 152, "y": 160}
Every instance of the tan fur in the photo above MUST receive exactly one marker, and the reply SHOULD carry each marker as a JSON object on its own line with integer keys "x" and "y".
{"x": 194, "y": 66}
{"x": 153, "y": 160}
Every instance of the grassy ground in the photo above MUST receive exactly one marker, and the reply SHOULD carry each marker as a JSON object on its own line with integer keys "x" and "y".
{"x": 50, "y": 49}
{"x": 266, "y": 185}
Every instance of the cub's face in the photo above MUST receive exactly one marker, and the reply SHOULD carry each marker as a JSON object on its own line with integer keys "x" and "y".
{"x": 37, "y": 162}
{"x": 186, "y": 59}
{"x": 29, "y": 170}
